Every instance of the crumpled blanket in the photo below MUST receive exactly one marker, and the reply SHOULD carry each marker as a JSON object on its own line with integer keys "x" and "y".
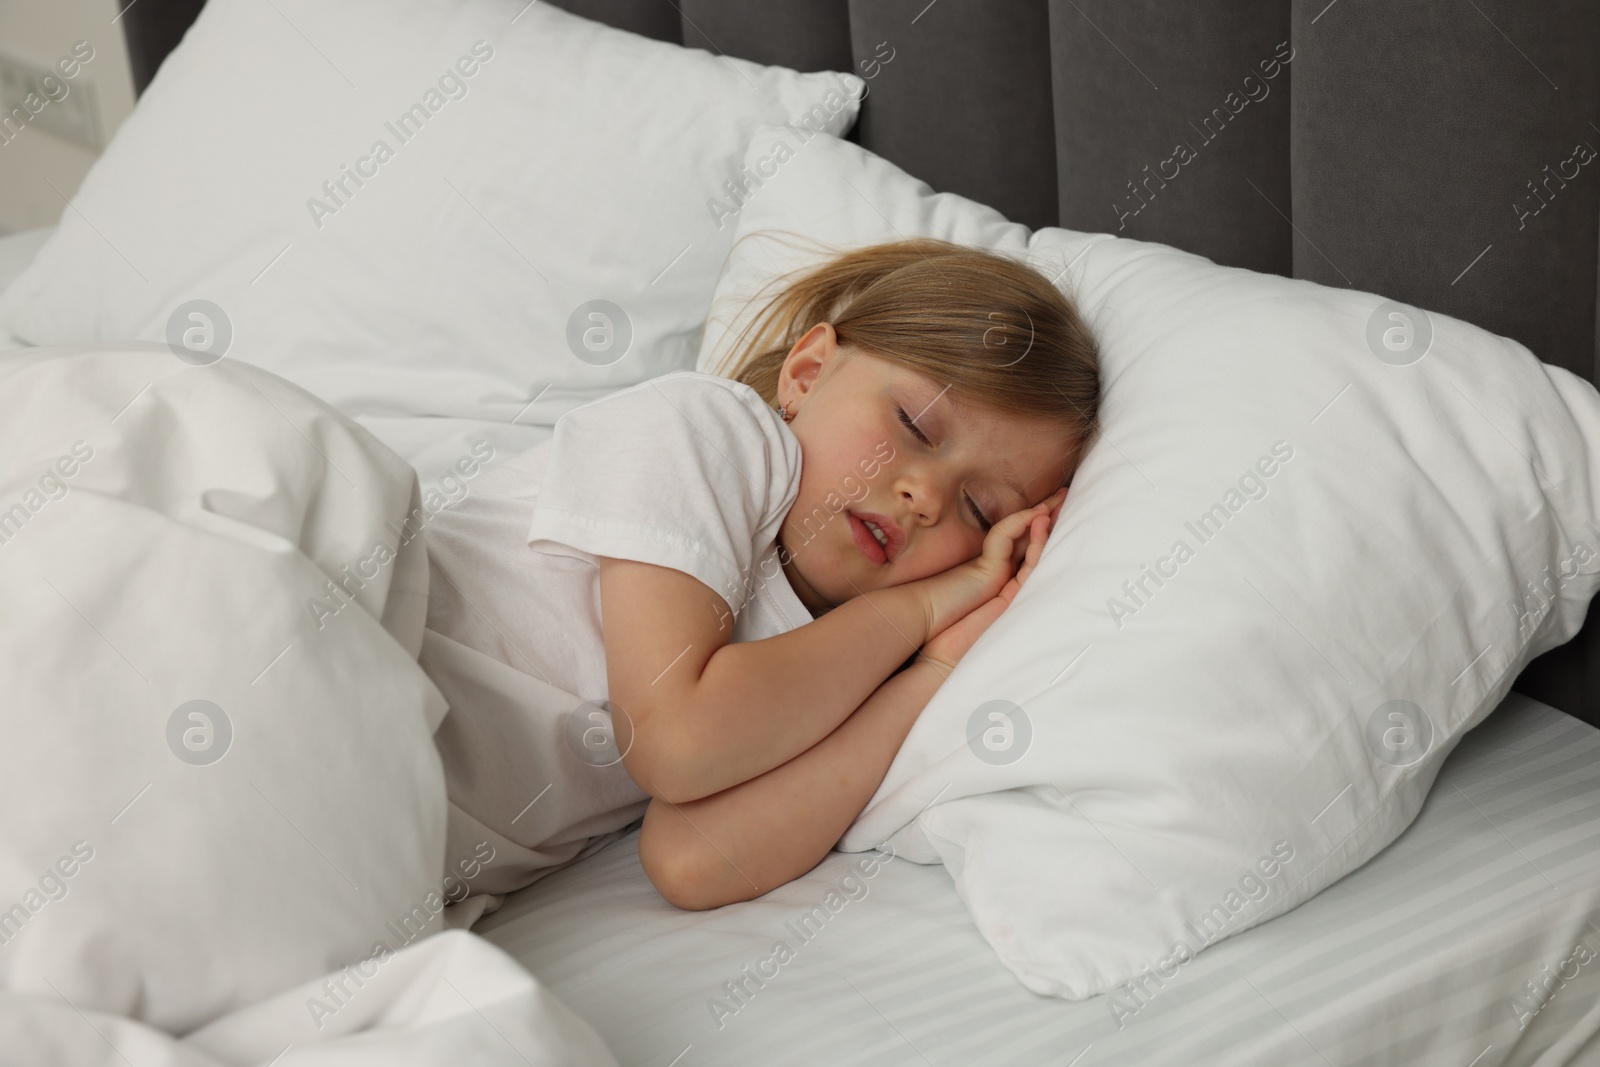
{"x": 225, "y": 813}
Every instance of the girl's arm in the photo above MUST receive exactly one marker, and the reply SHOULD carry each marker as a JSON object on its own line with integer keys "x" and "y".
{"x": 754, "y": 837}
{"x": 698, "y": 715}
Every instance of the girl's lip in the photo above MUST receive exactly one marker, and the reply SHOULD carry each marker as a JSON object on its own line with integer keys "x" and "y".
{"x": 865, "y": 541}
{"x": 892, "y": 533}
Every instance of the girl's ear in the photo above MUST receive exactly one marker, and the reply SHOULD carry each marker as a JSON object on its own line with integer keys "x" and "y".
{"x": 806, "y": 361}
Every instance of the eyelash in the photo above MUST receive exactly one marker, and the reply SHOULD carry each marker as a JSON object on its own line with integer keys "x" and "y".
{"x": 920, "y": 436}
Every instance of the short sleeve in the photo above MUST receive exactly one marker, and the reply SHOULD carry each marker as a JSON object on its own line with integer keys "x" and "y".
{"x": 688, "y": 470}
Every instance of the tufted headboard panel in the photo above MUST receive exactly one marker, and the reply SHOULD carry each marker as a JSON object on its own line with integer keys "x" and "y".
{"x": 1422, "y": 149}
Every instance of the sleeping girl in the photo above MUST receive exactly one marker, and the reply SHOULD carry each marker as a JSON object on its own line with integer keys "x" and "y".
{"x": 720, "y": 602}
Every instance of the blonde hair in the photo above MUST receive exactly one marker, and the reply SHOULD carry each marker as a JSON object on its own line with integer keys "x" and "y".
{"x": 992, "y": 328}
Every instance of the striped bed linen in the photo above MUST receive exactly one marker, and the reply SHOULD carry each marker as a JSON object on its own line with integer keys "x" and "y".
{"x": 1472, "y": 941}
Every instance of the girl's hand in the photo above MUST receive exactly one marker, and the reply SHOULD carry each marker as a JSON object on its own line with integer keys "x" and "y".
{"x": 1022, "y": 534}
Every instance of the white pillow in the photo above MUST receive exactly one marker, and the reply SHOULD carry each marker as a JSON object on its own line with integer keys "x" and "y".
{"x": 559, "y": 161}
{"x": 1406, "y": 516}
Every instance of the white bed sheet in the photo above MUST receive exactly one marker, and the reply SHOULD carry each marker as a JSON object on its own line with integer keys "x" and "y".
{"x": 1412, "y": 959}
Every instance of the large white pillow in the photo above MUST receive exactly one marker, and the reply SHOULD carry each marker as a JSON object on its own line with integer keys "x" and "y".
{"x": 553, "y": 161}
{"x": 1398, "y": 514}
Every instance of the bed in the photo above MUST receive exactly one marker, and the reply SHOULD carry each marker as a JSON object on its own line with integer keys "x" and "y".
{"x": 1415, "y": 958}
{"x": 1471, "y": 940}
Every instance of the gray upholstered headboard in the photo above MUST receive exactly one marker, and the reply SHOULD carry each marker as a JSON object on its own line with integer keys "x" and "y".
{"x": 1422, "y": 149}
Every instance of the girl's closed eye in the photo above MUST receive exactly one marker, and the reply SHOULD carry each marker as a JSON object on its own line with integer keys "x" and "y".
{"x": 972, "y": 505}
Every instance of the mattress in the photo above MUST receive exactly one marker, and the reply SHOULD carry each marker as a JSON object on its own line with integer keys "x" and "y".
{"x": 1473, "y": 940}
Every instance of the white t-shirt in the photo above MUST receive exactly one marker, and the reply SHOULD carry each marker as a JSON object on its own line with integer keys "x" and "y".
{"x": 688, "y": 470}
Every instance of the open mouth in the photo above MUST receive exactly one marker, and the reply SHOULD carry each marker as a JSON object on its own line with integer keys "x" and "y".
{"x": 872, "y": 540}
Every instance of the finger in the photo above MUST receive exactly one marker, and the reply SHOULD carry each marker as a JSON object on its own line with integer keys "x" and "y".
{"x": 1041, "y": 535}
{"x": 1024, "y": 541}
{"x": 1036, "y": 541}
{"x": 1020, "y": 520}
{"x": 1056, "y": 499}
{"x": 1037, "y": 530}
{"x": 1000, "y": 541}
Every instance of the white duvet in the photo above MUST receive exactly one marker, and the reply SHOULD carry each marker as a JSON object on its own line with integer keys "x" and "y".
{"x": 225, "y": 815}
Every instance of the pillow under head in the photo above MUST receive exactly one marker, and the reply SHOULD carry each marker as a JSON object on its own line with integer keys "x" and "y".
{"x": 1317, "y": 539}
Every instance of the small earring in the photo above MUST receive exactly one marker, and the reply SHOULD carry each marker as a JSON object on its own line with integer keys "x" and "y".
{"x": 783, "y": 409}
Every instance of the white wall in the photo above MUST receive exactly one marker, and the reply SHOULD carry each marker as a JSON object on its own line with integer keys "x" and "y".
{"x": 40, "y": 32}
